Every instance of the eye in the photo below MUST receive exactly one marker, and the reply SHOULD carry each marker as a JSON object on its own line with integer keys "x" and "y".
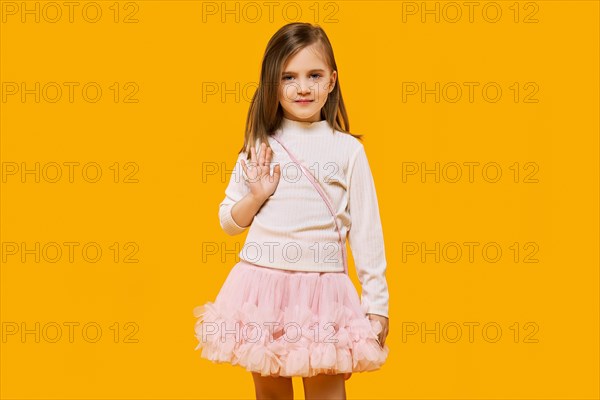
{"x": 287, "y": 77}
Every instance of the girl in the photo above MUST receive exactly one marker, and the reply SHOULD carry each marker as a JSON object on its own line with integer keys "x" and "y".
{"x": 288, "y": 307}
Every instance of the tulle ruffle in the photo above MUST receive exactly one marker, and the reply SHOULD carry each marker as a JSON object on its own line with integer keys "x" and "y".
{"x": 289, "y": 323}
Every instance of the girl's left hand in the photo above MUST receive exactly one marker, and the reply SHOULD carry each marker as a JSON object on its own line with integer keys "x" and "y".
{"x": 382, "y": 335}
{"x": 385, "y": 322}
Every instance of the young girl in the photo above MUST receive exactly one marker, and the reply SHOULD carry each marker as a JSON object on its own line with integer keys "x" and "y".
{"x": 288, "y": 307}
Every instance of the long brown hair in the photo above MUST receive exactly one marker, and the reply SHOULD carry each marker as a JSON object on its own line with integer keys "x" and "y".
{"x": 265, "y": 114}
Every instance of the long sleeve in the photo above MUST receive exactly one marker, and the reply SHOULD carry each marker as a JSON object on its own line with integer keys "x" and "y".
{"x": 235, "y": 191}
{"x": 366, "y": 235}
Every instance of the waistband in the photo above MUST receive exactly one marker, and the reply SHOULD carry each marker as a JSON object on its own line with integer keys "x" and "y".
{"x": 283, "y": 270}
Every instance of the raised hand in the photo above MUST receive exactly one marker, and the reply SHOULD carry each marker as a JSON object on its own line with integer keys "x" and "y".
{"x": 261, "y": 184}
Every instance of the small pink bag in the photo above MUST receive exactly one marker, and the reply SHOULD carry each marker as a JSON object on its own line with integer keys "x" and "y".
{"x": 324, "y": 196}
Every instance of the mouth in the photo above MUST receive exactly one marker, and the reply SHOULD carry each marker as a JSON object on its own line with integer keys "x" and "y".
{"x": 304, "y": 101}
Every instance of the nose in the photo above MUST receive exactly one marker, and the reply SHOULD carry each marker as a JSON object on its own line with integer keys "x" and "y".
{"x": 304, "y": 85}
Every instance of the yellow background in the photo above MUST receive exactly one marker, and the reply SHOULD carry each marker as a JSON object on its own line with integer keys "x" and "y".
{"x": 171, "y": 212}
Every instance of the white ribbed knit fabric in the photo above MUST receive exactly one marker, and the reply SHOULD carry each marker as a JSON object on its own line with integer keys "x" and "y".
{"x": 294, "y": 229}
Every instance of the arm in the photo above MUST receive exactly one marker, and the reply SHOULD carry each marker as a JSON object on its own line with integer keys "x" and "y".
{"x": 239, "y": 207}
{"x": 366, "y": 235}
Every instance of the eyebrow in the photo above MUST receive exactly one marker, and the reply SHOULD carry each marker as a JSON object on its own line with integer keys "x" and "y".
{"x": 293, "y": 73}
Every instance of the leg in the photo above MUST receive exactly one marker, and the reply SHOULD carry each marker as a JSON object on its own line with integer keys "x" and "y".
{"x": 325, "y": 387}
{"x": 273, "y": 388}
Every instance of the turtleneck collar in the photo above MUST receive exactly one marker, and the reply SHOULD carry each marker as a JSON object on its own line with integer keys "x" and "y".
{"x": 303, "y": 128}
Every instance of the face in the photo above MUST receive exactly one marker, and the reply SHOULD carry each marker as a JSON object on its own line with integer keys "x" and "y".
{"x": 306, "y": 82}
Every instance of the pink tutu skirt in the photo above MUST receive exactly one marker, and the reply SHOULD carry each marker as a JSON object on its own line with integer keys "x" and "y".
{"x": 289, "y": 323}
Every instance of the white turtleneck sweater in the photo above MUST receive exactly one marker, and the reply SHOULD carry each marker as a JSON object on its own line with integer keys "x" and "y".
{"x": 294, "y": 230}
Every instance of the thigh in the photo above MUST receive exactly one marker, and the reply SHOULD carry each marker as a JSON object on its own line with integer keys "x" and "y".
{"x": 324, "y": 386}
{"x": 271, "y": 387}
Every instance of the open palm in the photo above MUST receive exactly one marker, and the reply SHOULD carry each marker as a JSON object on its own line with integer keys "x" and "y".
{"x": 261, "y": 183}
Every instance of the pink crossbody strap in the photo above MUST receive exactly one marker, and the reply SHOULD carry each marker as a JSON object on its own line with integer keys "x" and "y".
{"x": 324, "y": 196}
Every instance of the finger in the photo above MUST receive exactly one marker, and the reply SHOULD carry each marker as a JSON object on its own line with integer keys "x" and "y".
{"x": 247, "y": 178}
{"x": 261, "y": 157}
{"x": 267, "y": 156}
{"x": 276, "y": 172}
